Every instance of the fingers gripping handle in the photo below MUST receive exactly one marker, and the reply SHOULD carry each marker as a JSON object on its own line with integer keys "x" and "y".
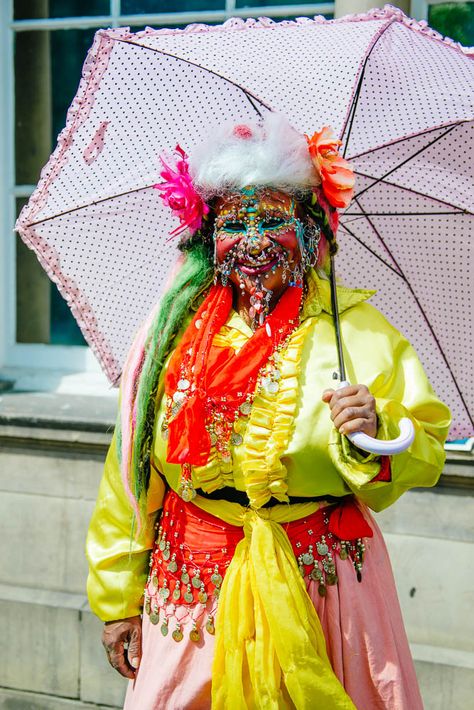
{"x": 384, "y": 448}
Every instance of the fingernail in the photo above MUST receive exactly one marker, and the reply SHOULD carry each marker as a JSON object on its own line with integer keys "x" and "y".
{"x": 134, "y": 662}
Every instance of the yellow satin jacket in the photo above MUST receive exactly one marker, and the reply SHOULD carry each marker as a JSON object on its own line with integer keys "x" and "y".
{"x": 289, "y": 447}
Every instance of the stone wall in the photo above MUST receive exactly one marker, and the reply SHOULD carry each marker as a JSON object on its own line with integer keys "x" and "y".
{"x": 50, "y": 466}
{"x": 51, "y": 453}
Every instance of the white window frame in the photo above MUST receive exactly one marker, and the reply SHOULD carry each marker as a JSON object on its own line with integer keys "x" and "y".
{"x": 57, "y": 358}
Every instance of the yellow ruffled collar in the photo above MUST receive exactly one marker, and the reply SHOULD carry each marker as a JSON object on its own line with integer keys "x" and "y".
{"x": 267, "y": 431}
{"x": 318, "y": 297}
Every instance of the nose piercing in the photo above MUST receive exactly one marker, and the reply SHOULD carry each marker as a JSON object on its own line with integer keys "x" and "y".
{"x": 253, "y": 243}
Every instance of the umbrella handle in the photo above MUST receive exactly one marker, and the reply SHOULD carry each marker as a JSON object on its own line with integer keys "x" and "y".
{"x": 384, "y": 448}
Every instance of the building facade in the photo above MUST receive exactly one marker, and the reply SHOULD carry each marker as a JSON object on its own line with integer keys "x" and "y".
{"x": 57, "y": 409}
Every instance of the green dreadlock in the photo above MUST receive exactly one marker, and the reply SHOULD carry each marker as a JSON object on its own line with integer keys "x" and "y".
{"x": 194, "y": 277}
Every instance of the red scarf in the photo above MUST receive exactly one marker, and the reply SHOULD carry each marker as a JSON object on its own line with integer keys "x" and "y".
{"x": 220, "y": 380}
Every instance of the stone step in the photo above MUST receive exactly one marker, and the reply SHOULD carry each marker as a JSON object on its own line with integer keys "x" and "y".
{"x": 48, "y": 485}
{"x": 20, "y": 700}
{"x": 63, "y": 664}
{"x": 446, "y": 679}
{"x": 54, "y": 648}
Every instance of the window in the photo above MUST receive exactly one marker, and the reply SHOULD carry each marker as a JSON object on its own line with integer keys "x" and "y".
{"x": 47, "y": 70}
{"x": 44, "y": 44}
{"x": 453, "y": 19}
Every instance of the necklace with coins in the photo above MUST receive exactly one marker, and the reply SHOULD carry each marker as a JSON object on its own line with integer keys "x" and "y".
{"x": 223, "y": 424}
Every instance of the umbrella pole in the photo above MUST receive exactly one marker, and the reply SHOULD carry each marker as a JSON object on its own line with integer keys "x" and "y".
{"x": 359, "y": 439}
{"x": 335, "y": 315}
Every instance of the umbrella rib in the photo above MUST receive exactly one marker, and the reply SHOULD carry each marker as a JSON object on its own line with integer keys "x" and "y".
{"x": 358, "y": 91}
{"x": 198, "y": 66}
{"x": 402, "y": 214}
{"x": 389, "y": 253}
{"x": 430, "y": 327}
{"x": 389, "y": 144}
{"x": 89, "y": 204}
{"x": 353, "y": 111}
{"x": 355, "y": 217}
{"x": 374, "y": 253}
{"x": 253, "y": 105}
{"x": 407, "y": 160}
{"x": 414, "y": 192}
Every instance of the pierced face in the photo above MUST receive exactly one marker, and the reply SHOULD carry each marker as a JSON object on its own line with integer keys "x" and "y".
{"x": 258, "y": 240}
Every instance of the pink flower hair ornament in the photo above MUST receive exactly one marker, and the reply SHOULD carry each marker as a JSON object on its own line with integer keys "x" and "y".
{"x": 179, "y": 194}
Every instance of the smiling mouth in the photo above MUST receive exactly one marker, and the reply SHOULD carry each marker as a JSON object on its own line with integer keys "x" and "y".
{"x": 251, "y": 266}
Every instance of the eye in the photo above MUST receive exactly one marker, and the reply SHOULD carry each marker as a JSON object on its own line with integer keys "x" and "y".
{"x": 233, "y": 227}
{"x": 273, "y": 223}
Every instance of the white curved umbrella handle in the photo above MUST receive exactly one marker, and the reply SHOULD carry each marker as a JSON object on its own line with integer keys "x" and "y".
{"x": 384, "y": 448}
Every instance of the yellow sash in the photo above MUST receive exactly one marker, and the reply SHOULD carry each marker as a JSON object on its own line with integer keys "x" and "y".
{"x": 270, "y": 649}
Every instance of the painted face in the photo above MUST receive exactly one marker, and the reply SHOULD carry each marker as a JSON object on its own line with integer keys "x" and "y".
{"x": 258, "y": 240}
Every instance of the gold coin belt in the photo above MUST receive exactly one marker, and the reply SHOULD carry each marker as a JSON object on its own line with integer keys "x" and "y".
{"x": 194, "y": 549}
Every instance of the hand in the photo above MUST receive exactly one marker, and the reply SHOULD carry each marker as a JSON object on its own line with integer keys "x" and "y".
{"x": 352, "y": 409}
{"x": 122, "y": 641}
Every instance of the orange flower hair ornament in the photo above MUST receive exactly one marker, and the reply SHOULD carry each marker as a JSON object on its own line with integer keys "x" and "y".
{"x": 337, "y": 176}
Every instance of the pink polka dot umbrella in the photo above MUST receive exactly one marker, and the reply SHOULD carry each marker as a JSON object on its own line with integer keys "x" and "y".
{"x": 400, "y": 97}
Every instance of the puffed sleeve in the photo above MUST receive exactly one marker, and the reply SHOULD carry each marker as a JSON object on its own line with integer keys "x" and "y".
{"x": 118, "y": 559}
{"x": 402, "y": 390}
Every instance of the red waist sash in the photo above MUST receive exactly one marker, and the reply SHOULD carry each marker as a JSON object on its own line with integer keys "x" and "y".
{"x": 194, "y": 548}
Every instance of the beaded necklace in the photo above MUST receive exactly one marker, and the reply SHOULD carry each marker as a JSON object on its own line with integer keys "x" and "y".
{"x": 208, "y": 388}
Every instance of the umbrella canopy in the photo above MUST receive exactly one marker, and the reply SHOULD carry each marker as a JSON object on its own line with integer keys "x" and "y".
{"x": 399, "y": 95}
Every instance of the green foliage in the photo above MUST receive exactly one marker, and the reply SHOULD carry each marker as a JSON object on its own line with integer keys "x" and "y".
{"x": 455, "y": 20}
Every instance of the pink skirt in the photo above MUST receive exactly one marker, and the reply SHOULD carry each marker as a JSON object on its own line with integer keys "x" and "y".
{"x": 365, "y": 637}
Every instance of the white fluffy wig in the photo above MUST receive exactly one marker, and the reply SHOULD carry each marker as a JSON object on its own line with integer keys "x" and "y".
{"x": 266, "y": 153}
